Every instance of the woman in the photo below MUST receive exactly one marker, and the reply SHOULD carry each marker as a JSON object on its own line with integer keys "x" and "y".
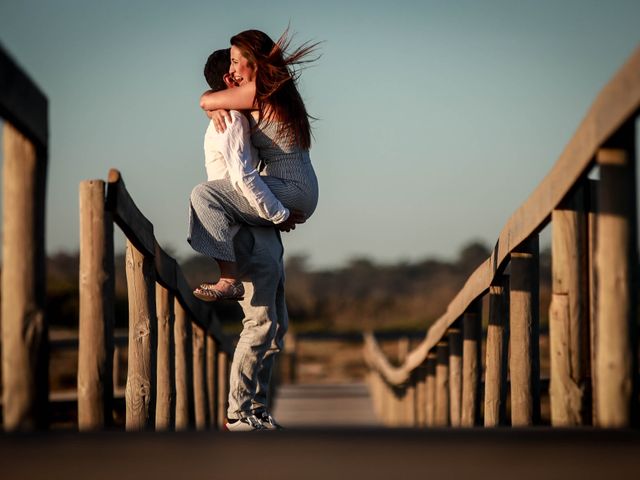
{"x": 282, "y": 134}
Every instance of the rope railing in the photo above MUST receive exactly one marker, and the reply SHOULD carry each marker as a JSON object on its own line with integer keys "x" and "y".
{"x": 592, "y": 324}
{"x": 177, "y": 352}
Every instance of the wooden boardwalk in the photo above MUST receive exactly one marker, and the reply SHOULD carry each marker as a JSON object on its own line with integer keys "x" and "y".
{"x": 334, "y": 405}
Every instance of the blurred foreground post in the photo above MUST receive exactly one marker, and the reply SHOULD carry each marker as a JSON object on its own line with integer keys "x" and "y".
{"x": 616, "y": 266}
{"x": 24, "y": 329}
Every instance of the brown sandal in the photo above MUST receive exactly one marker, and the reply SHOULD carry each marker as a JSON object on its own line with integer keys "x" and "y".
{"x": 223, "y": 290}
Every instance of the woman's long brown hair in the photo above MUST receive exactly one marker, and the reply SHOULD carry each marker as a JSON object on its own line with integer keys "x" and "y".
{"x": 277, "y": 95}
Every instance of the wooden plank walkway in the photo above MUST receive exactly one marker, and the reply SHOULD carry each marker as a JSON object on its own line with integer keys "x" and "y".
{"x": 335, "y": 405}
{"x": 315, "y": 454}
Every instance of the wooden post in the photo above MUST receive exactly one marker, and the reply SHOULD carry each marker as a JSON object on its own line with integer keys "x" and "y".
{"x": 442, "y": 384}
{"x": 471, "y": 365}
{"x": 431, "y": 389}
{"x": 223, "y": 388}
{"x": 593, "y": 300}
{"x": 455, "y": 373}
{"x": 95, "y": 332}
{"x": 184, "y": 368}
{"x": 497, "y": 354}
{"x": 200, "y": 377}
{"x": 212, "y": 371}
{"x": 24, "y": 330}
{"x": 421, "y": 396}
{"x": 141, "y": 371}
{"x": 524, "y": 364}
{"x": 569, "y": 314}
{"x": 166, "y": 394}
{"x": 403, "y": 393}
{"x": 616, "y": 264}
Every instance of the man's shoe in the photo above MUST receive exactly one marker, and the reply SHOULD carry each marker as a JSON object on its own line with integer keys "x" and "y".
{"x": 268, "y": 422}
{"x": 245, "y": 424}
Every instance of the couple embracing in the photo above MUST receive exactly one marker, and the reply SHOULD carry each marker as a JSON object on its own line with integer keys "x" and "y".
{"x": 260, "y": 182}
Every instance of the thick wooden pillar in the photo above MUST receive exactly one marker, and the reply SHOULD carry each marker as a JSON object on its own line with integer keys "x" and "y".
{"x": 141, "y": 371}
{"x": 430, "y": 388}
{"x": 455, "y": 373}
{"x": 471, "y": 365}
{"x": 497, "y": 354}
{"x": 184, "y": 368}
{"x": 95, "y": 331}
{"x": 569, "y": 314}
{"x": 524, "y": 365}
{"x": 24, "y": 329}
{"x": 442, "y": 384}
{"x": 166, "y": 372}
{"x": 616, "y": 271}
{"x": 200, "y": 377}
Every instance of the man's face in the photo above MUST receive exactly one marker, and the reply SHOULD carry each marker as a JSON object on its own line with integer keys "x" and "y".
{"x": 240, "y": 69}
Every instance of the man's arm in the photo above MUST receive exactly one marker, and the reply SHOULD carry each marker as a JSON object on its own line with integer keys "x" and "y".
{"x": 236, "y": 150}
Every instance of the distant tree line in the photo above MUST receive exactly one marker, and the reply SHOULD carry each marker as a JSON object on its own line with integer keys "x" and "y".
{"x": 362, "y": 294}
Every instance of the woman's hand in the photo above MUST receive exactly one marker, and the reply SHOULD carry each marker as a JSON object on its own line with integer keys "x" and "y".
{"x": 218, "y": 117}
{"x": 295, "y": 217}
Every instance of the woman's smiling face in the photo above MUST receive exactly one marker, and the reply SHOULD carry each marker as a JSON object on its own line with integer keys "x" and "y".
{"x": 241, "y": 70}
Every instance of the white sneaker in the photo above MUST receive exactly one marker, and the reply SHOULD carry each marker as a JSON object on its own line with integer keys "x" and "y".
{"x": 245, "y": 424}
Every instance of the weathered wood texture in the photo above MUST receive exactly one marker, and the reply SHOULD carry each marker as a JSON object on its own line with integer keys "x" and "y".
{"x": 201, "y": 407}
{"x": 497, "y": 354}
{"x": 454, "y": 336}
{"x": 569, "y": 314}
{"x": 139, "y": 230}
{"x": 442, "y": 384}
{"x": 95, "y": 349}
{"x": 524, "y": 364}
{"x": 141, "y": 371}
{"x": 24, "y": 328}
{"x": 166, "y": 373}
{"x": 184, "y": 368}
{"x": 616, "y": 264}
{"x": 618, "y": 101}
{"x": 471, "y": 365}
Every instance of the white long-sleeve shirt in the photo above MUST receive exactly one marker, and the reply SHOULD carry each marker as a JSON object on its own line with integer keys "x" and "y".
{"x": 231, "y": 152}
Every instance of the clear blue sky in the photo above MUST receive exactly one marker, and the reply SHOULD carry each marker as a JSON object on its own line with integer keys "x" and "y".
{"x": 436, "y": 118}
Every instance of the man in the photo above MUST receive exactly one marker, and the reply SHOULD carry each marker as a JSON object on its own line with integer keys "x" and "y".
{"x": 259, "y": 255}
